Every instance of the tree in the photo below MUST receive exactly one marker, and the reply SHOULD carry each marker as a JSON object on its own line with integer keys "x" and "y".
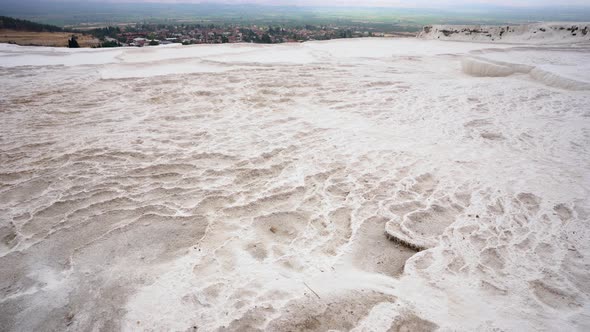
{"x": 73, "y": 42}
{"x": 266, "y": 39}
{"x": 111, "y": 43}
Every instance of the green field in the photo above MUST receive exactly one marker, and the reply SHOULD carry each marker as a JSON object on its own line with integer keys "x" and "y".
{"x": 89, "y": 13}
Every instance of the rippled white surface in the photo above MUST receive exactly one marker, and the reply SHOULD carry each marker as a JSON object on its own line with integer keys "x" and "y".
{"x": 248, "y": 187}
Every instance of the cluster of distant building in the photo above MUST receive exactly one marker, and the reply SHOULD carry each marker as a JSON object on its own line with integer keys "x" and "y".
{"x": 216, "y": 35}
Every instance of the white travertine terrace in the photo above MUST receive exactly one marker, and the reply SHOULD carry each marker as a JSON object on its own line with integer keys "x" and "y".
{"x": 365, "y": 185}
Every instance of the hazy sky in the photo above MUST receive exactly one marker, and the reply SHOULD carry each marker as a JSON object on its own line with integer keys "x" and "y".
{"x": 385, "y": 3}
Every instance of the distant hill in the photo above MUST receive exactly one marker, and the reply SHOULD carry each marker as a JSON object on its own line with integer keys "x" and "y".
{"x": 24, "y": 25}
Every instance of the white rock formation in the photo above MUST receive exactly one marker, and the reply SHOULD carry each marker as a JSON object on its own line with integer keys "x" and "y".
{"x": 538, "y": 33}
{"x": 250, "y": 187}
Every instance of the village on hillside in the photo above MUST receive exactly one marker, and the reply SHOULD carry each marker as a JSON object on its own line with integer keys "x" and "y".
{"x": 159, "y": 34}
{"x": 23, "y": 32}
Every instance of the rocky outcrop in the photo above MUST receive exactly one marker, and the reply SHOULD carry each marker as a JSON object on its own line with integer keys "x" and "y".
{"x": 526, "y": 33}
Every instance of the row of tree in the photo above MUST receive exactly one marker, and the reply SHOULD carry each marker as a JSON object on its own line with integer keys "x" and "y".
{"x": 24, "y": 25}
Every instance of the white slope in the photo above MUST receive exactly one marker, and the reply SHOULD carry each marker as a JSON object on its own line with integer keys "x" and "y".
{"x": 562, "y": 68}
{"x": 535, "y": 33}
{"x": 566, "y": 69}
{"x": 287, "y": 187}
